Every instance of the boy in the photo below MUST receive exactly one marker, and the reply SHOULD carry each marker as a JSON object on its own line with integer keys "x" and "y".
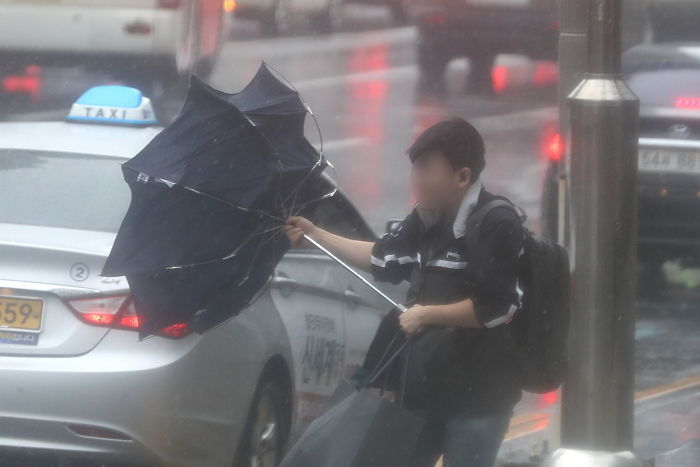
{"x": 460, "y": 375}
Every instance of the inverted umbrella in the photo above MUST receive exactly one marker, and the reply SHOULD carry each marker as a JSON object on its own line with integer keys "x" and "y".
{"x": 208, "y": 195}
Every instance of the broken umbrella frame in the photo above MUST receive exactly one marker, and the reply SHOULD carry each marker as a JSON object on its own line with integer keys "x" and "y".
{"x": 330, "y": 254}
{"x": 246, "y": 158}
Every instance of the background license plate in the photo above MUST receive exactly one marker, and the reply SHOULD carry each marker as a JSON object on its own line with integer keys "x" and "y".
{"x": 669, "y": 160}
{"x": 23, "y": 314}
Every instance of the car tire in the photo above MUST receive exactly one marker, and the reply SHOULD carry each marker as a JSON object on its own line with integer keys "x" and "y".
{"x": 267, "y": 428}
{"x": 479, "y": 80}
{"x": 331, "y": 19}
{"x": 268, "y": 25}
{"x": 278, "y": 21}
{"x": 432, "y": 65}
{"x": 399, "y": 12}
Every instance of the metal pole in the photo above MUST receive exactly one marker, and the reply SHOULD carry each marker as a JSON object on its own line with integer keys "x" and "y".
{"x": 597, "y": 405}
{"x": 573, "y": 61}
{"x": 573, "y": 53}
{"x": 396, "y": 305}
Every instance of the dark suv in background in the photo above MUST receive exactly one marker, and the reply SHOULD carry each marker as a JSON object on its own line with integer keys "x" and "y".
{"x": 666, "y": 78}
{"x": 480, "y": 30}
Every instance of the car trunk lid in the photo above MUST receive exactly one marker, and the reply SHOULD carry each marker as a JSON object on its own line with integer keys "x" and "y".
{"x": 42, "y": 270}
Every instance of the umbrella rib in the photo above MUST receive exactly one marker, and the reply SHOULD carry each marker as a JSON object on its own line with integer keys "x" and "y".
{"x": 303, "y": 101}
{"x": 233, "y": 253}
{"x": 251, "y": 263}
{"x": 318, "y": 129}
{"x": 234, "y": 205}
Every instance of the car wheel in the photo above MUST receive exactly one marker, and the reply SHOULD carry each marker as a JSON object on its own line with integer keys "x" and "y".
{"x": 332, "y": 18}
{"x": 267, "y": 428}
{"x": 479, "y": 80}
{"x": 399, "y": 12}
{"x": 432, "y": 64}
{"x": 268, "y": 25}
{"x": 283, "y": 18}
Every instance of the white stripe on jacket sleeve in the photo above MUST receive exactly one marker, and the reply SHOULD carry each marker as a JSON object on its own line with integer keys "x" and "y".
{"x": 511, "y": 311}
{"x": 389, "y": 258}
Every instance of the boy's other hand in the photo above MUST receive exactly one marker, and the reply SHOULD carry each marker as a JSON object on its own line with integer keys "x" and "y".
{"x": 295, "y": 227}
{"x": 413, "y": 320}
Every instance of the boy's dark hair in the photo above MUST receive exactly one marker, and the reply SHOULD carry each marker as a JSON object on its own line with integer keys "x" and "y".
{"x": 457, "y": 140}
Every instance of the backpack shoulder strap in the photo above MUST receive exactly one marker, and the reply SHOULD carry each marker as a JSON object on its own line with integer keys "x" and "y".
{"x": 475, "y": 219}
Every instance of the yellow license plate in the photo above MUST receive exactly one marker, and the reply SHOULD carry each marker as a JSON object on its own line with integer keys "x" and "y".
{"x": 21, "y": 314}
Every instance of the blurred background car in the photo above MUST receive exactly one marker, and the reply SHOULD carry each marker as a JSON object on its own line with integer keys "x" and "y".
{"x": 145, "y": 43}
{"x": 324, "y": 16}
{"x": 666, "y": 78}
{"x": 79, "y": 383}
{"x": 480, "y": 30}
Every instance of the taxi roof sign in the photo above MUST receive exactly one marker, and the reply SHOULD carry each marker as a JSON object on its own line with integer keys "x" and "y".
{"x": 114, "y": 105}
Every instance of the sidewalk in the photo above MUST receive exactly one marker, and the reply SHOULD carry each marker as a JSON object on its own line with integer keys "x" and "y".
{"x": 667, "y": 428}
{"x": 667, "y": 425}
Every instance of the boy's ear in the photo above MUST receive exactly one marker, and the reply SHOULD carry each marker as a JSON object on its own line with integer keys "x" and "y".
{"x": 465, "y": 174}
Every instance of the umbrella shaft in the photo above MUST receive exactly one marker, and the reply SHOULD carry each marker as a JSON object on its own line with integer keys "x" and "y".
{"x": 398, "y": 306}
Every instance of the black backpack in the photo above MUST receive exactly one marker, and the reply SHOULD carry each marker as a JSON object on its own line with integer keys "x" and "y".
{"x": 537, "y": 332}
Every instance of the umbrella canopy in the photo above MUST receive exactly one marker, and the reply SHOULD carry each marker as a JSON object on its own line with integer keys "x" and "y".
{"x": 362, "y": 429}
{"x": 201, "y": 235}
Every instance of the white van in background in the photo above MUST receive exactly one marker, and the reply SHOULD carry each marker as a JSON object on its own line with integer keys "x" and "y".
{"x": 137, "y": 41}
{"x": 320, "y": 16}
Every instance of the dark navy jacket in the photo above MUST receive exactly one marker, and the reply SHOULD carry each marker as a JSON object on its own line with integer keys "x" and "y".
{"x": 453, "y": 368}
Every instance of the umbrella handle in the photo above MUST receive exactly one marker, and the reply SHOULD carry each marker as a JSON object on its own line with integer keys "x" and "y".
{"x": 396, "y": 305}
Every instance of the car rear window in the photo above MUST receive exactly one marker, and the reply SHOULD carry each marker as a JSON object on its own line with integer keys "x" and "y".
{"x": 653, "y": 90}
{"x": 65, "y": 190}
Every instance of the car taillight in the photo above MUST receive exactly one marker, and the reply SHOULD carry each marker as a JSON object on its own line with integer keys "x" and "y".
{"x": 499, "y": 78}
{"x": 176, "y": 331}
{"x": 101, "y": 311}
{"x": 435, "y": 19}
{"x": 552, "y": 146}
{"x": 29, "y": 83}
{"x": 169, "y": 4}
{"x": 688, "y": 103}
{"x": 549, "y": 398}
{"x": 117, "y": 312}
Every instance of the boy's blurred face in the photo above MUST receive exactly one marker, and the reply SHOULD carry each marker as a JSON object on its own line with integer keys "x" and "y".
{"x": 435, "y": 183}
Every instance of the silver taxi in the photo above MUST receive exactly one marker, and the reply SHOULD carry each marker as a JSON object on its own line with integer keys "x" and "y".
{"x": 80, "y": 385}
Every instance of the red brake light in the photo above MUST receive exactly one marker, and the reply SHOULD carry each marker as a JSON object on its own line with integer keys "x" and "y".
{"x": 99, "y": 311}
{"x": 176, "y": 331}
{"x": 435, "y": 19}
{"x": 129, "y": 319}
{"x": 549, "y": 398}
{"x": 28, "y": 83}
{"x": 553, "y": 147}
{"x": 169, "y": 4}
{"x": 117, "y": 312}
{"x": 688, "y": 103}
{"x": 499, "y": 78}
